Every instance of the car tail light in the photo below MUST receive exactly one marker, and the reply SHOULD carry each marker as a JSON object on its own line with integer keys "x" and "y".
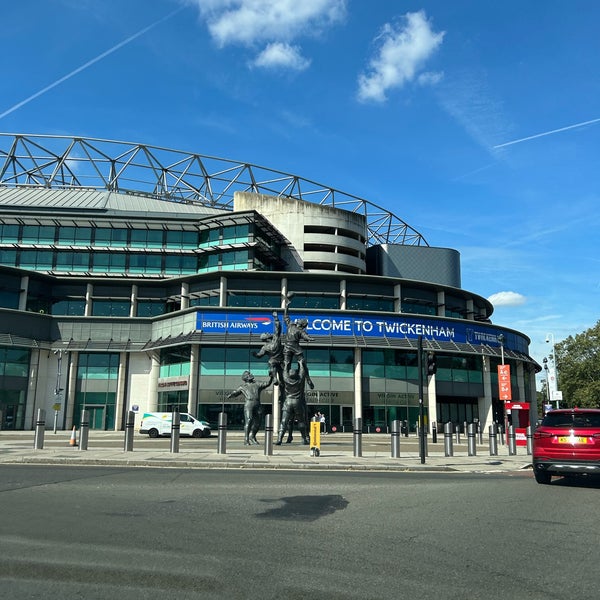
{"x": 596, "y": 436}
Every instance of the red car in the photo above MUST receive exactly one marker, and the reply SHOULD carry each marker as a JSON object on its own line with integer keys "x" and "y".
{"x": 567, "y": 442}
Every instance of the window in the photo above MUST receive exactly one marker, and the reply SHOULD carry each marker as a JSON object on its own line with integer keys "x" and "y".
{"x": 68, "y": 307}
{"x": 107, "y": 236}
{"x": 9, "y": 234}
{"x": 146, "y": 238}
{"x": 73, "y": 261}
{"x": 74, "y": 236}
{"x": 236, "y": 234}
{"x": 8, "y": 257}
{"x": 209, "y": 237}
{"x": 145, "y": 263}
{"x": 39, "y": 260}
{"x": 38, "y": 234}
{"x": 110, "y": 308}
{"x": 182, "y": 239}
{"x": 180, "y": 265}
{"x": 150, "y": 308}
{"x": 108, "y": 262}
{"x": 175, "y": 362}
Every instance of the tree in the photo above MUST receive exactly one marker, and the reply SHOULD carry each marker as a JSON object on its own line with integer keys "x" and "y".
{"x": 578, "y": 366}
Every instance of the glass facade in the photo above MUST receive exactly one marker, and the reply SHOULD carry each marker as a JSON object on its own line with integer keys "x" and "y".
{"x": 96, "y": 389}
{"x": 14, "y": 370}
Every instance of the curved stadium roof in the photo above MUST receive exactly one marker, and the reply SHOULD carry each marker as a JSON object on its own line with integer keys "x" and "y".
{"x": 61, "y": 162}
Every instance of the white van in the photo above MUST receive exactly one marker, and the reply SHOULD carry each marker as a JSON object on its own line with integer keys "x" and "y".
{"x": 156, "y": 424}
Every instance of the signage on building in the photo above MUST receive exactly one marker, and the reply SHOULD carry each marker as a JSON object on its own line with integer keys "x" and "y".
{"x": 504, "y": 382}
{"x": 351, "y": 325}
{"x": 168, "y": 384}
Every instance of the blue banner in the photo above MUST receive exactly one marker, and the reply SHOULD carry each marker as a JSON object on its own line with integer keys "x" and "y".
{"x": 350, "y": 325}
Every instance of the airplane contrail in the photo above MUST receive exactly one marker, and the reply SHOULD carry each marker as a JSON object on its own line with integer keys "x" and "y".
{"x": 89, "y": 63}
{"x": 532, "y": 137}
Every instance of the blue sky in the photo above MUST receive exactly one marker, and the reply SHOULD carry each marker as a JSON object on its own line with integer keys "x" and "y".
{"x": 477, "y": 122}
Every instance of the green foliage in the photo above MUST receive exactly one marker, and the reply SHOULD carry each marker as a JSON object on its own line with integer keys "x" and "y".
{"x": 578, "y": 366}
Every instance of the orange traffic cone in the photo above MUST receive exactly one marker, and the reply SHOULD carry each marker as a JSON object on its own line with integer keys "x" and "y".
{"x": 73, "y": 441}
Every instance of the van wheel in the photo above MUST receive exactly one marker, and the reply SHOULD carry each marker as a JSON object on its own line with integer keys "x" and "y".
{"x": 197, "y": 433}
{"x": 153, "y": 433}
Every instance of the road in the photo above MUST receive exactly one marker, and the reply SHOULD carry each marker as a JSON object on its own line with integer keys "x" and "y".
{"x": 97, "y": 533}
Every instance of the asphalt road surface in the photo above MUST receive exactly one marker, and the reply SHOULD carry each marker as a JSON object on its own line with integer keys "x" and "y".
{"x": 98, "y": 533}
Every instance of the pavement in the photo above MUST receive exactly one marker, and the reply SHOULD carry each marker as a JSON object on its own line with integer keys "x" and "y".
{"x": 337, "y": 452}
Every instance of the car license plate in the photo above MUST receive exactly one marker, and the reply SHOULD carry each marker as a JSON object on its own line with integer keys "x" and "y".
{"x": 568, "y": 439}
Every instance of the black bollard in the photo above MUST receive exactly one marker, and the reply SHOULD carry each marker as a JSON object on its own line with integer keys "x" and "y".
{"x": 471, "y": 444}
{"x": 175, "y": 430}
{"x": 512, "y": 441}
{"x": 434, "y": 432}
{"x": 129, "y": 428}
{"x": 357, "y": 437}
{"x": 269, "y": 435}
{"x": 85, "y": 429}
{"x": 40, "y": 427}
{"x": 222, "y": 441}
{"x": 493, "y": 439}
{"x": 395, "y": 441}
{"x": 448, "y": 439}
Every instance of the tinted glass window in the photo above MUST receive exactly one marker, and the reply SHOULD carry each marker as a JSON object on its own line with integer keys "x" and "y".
{"x": 575, "y": 420}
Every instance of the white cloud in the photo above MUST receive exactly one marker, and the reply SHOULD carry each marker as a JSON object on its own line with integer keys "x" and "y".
{"x": 403, "y": 50}
{"x": 507, "y": 299}
{"x": 275, "y": 23}
{"x": 280, "y": 55}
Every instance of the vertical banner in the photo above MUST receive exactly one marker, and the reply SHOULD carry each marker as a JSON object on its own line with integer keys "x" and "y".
{"x": 504, "y": 382}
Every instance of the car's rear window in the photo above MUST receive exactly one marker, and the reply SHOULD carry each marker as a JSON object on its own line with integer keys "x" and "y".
{"x": 574, "y": 420}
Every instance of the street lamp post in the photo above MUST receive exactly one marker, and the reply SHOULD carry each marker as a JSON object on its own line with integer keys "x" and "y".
{"x": 552, "y": 384}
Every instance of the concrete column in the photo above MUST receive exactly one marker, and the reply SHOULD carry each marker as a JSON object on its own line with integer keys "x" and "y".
{"x": 485, "y": 403}
{"x": 223, "y": 292}
{"x": 432, "y": 401}
{"x": 193, "y": 381}
{"x": 70, "y": 386}
{"x": 343, "y": 295}
{"x": 440, "y": 310}
{"x": 153, "y": 381}
{"x": 88, "y": 299}
{"x": 185, "y": 295}
{"x": 23, "y": 293}
{"x": 133, "y": 301}
{"x": 120, "y": 396}
{"x": 398, "y": 298}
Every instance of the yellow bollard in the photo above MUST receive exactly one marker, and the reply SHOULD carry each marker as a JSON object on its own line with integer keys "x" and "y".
{"x": 315, "y": 438}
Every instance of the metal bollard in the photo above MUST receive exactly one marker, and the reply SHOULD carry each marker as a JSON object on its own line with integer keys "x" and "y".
{"x": 480, "y": 431}
{"x": 471, "y": 444}
{"x": 448, "y": 439}
{"x": 269, "y": 435}
{"x": 512, "y": 441}
{"x": 493, "y": 429}
{"x": 458, "y": 433}
{"x": 501, "y": 432}
{"x": 40, "y": 427}
{"x": 434, "y": 432}
{"x": 129, "y": 427}
{"x": 175, "y": 430}
{"x": 84, "y": 430}
{"x": 529, "y": 440}
{"x": 357, "y": 437}
{"x": 395, "y": 441}
{"x": 222, "y": 442}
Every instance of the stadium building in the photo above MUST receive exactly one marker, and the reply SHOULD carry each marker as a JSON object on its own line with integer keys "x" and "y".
{"x": 136, "y": 278}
